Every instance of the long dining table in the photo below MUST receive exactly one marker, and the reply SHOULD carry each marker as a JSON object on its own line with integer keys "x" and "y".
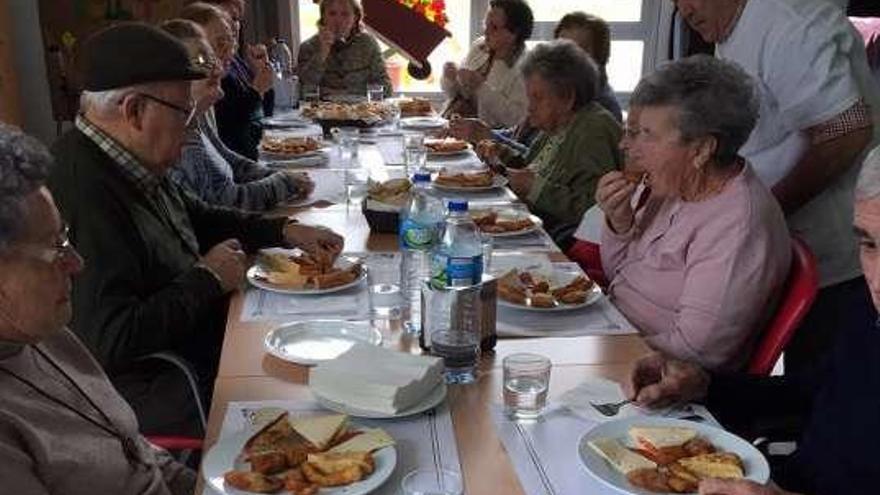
{"x": 248, "y": 373}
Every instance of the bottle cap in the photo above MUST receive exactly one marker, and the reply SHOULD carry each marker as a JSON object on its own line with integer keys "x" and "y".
{"x": 421, "y": 177}
{"x": 458, "y": 205}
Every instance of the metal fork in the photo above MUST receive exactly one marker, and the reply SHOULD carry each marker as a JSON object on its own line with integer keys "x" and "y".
{"x": 611, "y": 408}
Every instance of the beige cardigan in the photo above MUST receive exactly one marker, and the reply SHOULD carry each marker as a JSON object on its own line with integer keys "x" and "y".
{"x": 46, "y": 448}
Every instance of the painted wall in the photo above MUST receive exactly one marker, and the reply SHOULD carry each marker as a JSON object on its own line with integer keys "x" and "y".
{"x": 33, "y": 86}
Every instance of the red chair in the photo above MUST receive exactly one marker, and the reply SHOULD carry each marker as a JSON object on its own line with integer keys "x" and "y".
{"x": 586, "y": 254}
{"x": 176, "y": 443}
{"x": 800, "y": 291}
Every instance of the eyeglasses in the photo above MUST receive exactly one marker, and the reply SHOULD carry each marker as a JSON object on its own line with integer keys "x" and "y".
{"x": 62, "y": 250}
{"x": 206, "y": 62}
{"x": 189, "y": 113}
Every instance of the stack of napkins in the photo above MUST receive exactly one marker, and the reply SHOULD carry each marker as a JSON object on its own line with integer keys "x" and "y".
{"x": 376, "y": 379}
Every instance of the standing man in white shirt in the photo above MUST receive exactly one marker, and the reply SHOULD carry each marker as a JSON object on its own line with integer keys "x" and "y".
{"x": 815, "y": 127}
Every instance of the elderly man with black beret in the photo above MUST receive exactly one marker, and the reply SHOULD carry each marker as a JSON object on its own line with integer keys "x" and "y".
{"x": 159, "y": 261}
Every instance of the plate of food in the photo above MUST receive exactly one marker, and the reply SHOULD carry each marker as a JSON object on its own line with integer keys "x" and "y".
{"x": 483, "y": 180}
{"x": 313, "y": 455}
{"x": 446, "y": 146}
{"x": 311, "y": 342}
{"x": 363, "y": 114}
{"x": 505, "y": 222}
{"x": 415, "y": 107}
{"x": 645, "y": 456}
{"x": 561, "y": 290}
{"x": 295, "y": 272}
{"x": 289, "y": 147}
{"x": 423, "y": 123}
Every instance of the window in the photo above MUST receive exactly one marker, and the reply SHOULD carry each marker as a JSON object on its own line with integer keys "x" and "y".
{"x": 633, "y": 31}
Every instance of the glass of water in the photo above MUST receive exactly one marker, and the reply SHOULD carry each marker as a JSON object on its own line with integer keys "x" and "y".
{"x": 375, "y": 92}
{"x": 460, "y": 350}
{"x": 384, "y": 275}
{"x": 347, "y": 140}
{"x": 487, "y": 243}
{"x": 526, "y": 380}
{"x": 432, "y": 482}
{"x": 415, "y": 154}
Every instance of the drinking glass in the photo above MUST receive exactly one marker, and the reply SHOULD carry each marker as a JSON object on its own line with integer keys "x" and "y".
{"x": 415, "y": 154}
{"x": 384, "y": 275}
{"x": 347, "y": 140}
{"x": 487, "y": 242}
{"x": 432, "y": 482}
{"x": 526, "y": 380}
{"x": 375, "y": 92}
{"x": 460, "y": 350}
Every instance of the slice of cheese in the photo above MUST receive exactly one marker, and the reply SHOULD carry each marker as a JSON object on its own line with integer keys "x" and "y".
{"x": 623, "y": 459}
{"x": 367, "y": 441}
{"x": 320, "y": 430}
{"x": 717, "y": 465}
{"x": 660, "y": 437}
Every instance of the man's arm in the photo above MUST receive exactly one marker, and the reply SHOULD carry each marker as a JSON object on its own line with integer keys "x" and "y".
{"x": 834, "y": 147}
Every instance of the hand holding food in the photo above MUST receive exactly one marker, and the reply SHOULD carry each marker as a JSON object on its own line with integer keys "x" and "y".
{"x": 302, "y": 183}
{"x": 657, "y": 381}
{"x": 521, "y": 180}
{"x": 227, "y": 261}
{"x": 613, "y": 195}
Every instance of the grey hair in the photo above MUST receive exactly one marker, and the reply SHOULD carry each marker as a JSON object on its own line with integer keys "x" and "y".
{"x": 868, "y": 185}
{"x": 566, "y": 68}
{"x": 106, "y": 103}
{"x": 713, "y": 97}
{"x": 24, "y": 167}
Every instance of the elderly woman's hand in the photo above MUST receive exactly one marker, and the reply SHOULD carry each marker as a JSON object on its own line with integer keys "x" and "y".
{"x": 738, "y": 487}
{"x": 316, "y": 241}
{"x": 473, "y": 130}
{"x": 613, "y": 195}
{"x": 301, "y": 182}
{"x": 520, "y": 180}
{"x": 658, "y": 381}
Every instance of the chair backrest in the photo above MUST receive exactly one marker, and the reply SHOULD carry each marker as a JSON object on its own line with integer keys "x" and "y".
{"x": 586, "y": 254}
{"x": 798, "y": 295}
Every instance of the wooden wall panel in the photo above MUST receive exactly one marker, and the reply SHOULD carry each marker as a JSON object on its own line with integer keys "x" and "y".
{"x": 10, "y": 110}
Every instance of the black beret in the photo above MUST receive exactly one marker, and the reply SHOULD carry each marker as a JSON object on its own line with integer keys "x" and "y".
{"x": 132, "y": 53}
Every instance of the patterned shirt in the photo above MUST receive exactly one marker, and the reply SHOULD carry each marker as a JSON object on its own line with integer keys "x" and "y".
{"x": 349, "y": 67}
{"x": 145, "y": 180}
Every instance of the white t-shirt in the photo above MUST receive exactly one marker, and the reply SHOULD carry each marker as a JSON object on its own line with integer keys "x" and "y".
{"x": 810, "y": 65}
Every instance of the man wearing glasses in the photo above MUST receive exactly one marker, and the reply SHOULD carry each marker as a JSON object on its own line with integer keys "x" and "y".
{"x": 160, "y": 261}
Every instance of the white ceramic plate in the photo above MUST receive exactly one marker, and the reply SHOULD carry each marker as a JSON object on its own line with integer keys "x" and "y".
{"x": 287, "y": 122}
{"x": 225, "y": 456}
{"x": 756, "y": 467}
{"x": 286, "y": 157}
{"x": 537, "y": 223}
{"x": 423, "y": 122}
{"x": 497, "y": 181}
{"x": 560, "y": 277}
{"x": 255, "y": 273}
{"x": 432, "y": 400}
{"x": 311, "y": 342}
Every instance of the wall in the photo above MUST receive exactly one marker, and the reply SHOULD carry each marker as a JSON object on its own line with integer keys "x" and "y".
{"x": 29, "y": 64}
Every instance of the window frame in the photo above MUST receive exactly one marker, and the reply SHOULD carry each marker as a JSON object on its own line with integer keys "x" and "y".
{"x": 646, "y": 30}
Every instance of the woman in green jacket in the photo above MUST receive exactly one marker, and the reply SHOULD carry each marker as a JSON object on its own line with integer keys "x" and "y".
{"x": 577, "y": 144}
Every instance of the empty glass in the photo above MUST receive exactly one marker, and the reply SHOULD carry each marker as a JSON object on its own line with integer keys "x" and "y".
{"x": 347, "y": 140}
{"x": 415, "y": 154}
{"x": 375, "y": 92}
{"x": 432, "y": 482}
{"x": 526, "y": 380}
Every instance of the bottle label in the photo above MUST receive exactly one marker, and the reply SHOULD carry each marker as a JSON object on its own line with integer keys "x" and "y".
{"x": 416, "y": 236}
{"x": 456, "y": 271}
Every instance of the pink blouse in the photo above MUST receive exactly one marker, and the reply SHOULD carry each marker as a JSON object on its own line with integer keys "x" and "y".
{"x": 699, "y": 279}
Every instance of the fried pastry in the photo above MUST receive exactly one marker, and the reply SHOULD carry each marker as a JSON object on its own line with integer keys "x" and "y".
{"x": 268, "y": 462}
{"x": 465, "y": 180}
{"x": 253, "y": 482}
{"x": 540, "y": 300}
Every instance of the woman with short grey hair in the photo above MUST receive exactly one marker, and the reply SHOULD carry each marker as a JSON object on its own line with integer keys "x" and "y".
{"x": 576, "y": 145}
{"x": 696, "y": 264}
{"x": 63, "y": 427}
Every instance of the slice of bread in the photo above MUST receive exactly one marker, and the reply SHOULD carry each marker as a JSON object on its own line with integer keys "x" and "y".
{"x": 320, "y": 430}
{"x": 623, "y": 459}
{"x": 366, "y": 441}
{"x": 654, "y": 438}
{"x": 717, "y": 465}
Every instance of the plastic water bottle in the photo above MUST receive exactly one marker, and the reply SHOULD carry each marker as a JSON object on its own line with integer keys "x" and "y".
{"x": 419, "y": 234}
{"x": 458, "y": 261}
